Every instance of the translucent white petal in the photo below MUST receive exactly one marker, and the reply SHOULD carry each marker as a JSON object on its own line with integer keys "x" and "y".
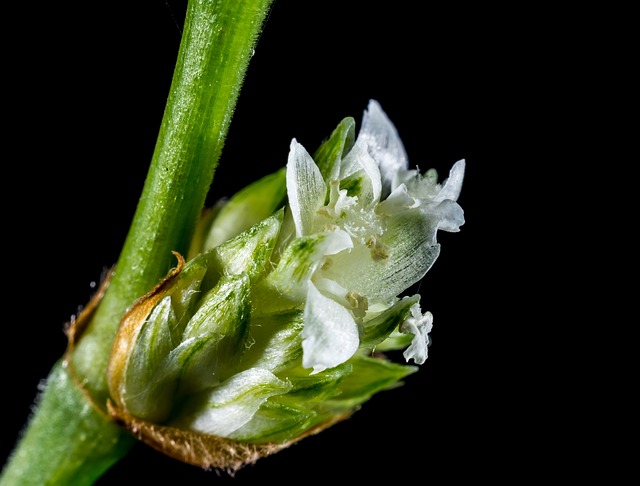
{"x": 381, "y": 138}
{"x": 445, "y": 216}
{"x": 337, "y": 241}
{"x": 404, "y": 177}
{"x": 400, "y": 258}
{"x": 330, "y": 335}
{"x": 305, "y": 188}
{"x": 453, "y": 184}
{"x": 332, "y": 288}
{"x": 397, "y": 202}
{"x": 420, "y": 326}
{"x": 359, "y": 159}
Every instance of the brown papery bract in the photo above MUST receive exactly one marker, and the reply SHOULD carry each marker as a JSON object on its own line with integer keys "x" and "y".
{"x": 204, "y": 450}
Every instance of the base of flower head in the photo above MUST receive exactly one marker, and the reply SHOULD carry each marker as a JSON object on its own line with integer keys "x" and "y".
{"x": 203, "y": 450}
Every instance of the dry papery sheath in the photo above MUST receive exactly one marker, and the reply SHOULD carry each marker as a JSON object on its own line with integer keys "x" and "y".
{"x": 281, "y": 320}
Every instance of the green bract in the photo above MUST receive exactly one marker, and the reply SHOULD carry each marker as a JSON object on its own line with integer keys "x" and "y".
{"x": 270, "y": 329}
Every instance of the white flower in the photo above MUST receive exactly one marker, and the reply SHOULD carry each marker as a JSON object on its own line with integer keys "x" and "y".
{"x": 267, "y": 332}
{"x": 387, "y": 217}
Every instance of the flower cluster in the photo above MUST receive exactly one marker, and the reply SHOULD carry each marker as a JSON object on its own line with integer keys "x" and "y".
{"x": 292, "y": 291}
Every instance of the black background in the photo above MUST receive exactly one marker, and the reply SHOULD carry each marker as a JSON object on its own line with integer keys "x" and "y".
{"x": 86, "y": 106}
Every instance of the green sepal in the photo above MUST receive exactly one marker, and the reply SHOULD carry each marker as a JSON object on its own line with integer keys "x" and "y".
{"x": 223, "y": 315}
{"x": 146, "y": 394}
{"x": 328, "y": 156}
{"x": 159, "y": 370}
{"x": 380, "y": 327}
{"x": 247, "y": 207}
{"x": 284, "y": 417}
{"x": 277, "y": 343}
{"x": 184, "y": 293}
{"x": 276, "y": 422}
{"x": 396, "y": 341}
{"x": 309, "y": 388}
{"x": 369, "y": 376}
{"x": 250, "y": 251}
{"x": 227, "y": 407}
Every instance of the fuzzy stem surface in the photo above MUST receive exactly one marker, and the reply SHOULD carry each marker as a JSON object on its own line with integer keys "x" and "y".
{"x": 69, "y": 440}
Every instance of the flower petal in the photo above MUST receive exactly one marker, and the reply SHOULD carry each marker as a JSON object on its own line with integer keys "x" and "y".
{"x": 305, "y": 188}
{"x": 408, "y": 249}
{"x": 380, "y": 136}
{"x": 397, "y": 202}
{"x": 359, "y": 163}
{"x": 420, "y": 326}
{"x": 446, "y": 216}
{"x": 452, "y": 185}
{"x": 330, "y": 335}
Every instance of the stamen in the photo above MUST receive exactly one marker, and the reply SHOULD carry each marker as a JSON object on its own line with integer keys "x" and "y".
{"x": 358, "y": 303}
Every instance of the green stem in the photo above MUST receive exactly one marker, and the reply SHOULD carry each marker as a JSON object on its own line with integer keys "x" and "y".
{"x": 217, "y": 44}
{"x": 67, "y": 440}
